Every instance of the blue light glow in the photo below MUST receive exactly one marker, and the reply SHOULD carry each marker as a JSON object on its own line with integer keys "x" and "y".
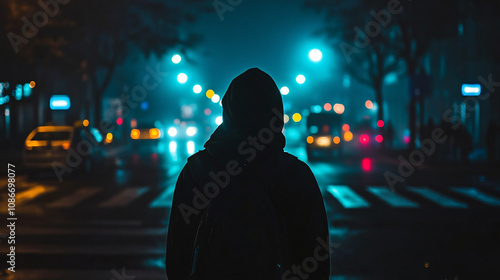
{"x": 144, "y": 105}
{"x": 316, "y": 109}
{"x": 315, "y": 55}
{"x": 60, "y": 102}
{"x": 471, "y": 89}
{"x": 27, "y": 90}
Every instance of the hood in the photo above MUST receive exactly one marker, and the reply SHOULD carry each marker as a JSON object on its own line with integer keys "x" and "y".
{"x": 252, "y": 111}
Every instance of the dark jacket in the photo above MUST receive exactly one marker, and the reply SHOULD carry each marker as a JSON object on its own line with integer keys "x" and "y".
{"x": 251, "y": 136}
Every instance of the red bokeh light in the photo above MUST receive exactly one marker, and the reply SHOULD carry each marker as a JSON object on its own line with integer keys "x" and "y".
{"x": 379, "y": 138}
{"x": 119, "y": 121}
{"x": 345, "y": 127}
{"x": 366, "y": 164}
{"x": 380, "y": 123}
{"x": 364, "y": 139}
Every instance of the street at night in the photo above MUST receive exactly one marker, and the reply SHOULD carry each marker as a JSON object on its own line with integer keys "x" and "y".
{"x": 176, "y": 140}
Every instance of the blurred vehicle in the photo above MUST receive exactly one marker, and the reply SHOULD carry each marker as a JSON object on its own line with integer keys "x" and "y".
{"x": 324, "y": 135}
{"x": 77, "y": 147}
{"x": 146, "y": 134}
{"x": 183, "y": 136}
{"x": 367, "y": 137}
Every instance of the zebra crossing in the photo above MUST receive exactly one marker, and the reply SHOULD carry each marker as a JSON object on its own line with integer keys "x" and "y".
{"x": 456, "y": 197}
{"x": 348, "y": 197}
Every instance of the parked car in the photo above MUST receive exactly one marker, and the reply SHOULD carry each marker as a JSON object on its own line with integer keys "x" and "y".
{"x": 79, "y": 148}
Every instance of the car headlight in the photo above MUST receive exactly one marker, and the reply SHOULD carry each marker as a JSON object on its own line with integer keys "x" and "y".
{"x": 191, "y": 131}
{"x": 172, "y": 131}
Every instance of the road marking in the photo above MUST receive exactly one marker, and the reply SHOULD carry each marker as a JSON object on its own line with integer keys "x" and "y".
{"x": 73, "y": 199}
{"x": 33, "y": 193}
{"x": 437, "y": 198}
{"x": 347, "y": 197}
{"x": 164, "y": 199}
{"x": 90, "y": 250}
{"x": 477, "y": 195}
{"x": 92, "y": 231}
{"x": 124, "y": 197}
{"x": 392, "y": 198}
{"x": 152, "y": 273}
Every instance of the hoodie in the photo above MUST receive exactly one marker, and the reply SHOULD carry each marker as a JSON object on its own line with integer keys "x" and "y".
{"x": 251, "y": 134}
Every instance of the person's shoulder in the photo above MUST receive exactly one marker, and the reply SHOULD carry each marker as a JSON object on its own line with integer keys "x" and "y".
{"x": 294, "y": 164}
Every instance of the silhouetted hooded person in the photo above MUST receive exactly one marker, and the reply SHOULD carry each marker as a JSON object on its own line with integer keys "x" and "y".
{"x": 248, "y": 144}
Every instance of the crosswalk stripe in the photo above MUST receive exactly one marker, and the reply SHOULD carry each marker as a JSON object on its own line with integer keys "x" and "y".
{"x": 437, "y": 198}
{"x": 92, "y": 231}
{"x": 64, "y": 249}
{"x": 73, "y": 199}
{"x": 32, "y": 193}
{"x": 347, "y": 197}
{"x": 477, "y": 195}
{"x": 392, "y": 198}
{"x": 164, "y": 199}
{"x": 156, "y": 273}
{"x": 124, "y": 197}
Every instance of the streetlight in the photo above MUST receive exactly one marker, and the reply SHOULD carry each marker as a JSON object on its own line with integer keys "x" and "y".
{"x": 176, "y": 59}
{"x": 197, "y": 89}
{"x": 300, "y": 79}
{"x": 315, "y": 55}
{"x": 182, "y": 78}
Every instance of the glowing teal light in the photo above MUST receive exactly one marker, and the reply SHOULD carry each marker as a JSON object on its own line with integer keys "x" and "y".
{"x": 176, "y": 59}
{"x": 471, "y": 89}
{"x": 197, "y": 89}
{"x": 182, "y": 78}
{"x": 27, "y": 90}
{"x": 60, "y": 102}
{"x": 316, "y": 109}
{"x": 285, "y": 90}
{"x": 315, "y": 55}
{"x": 300, "y": 79}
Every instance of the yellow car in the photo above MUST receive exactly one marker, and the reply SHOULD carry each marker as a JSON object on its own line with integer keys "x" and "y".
{"x": 76, "y": 147}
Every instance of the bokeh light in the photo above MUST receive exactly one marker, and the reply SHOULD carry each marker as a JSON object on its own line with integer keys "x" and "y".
{"x": 348, "y": 136}
{"x": 210, "y": 93}
{"x": 364, "y": 139}
{"x": 315, "y": 55}
{"x": 197, "y": 89}
{"x": 339, "y": 108}
{"x": 286, "y": 118}
{"x": 182, "y": 78}
{"x": 300, "y": 79}
{"x": 296, "y": 117}
{"x": 176, "y": 59}
{"x": 328, "y": 107}
{"x": 215, "y": 98}
{"x": 369, "y": 104}
{"x": 285, "y": 90}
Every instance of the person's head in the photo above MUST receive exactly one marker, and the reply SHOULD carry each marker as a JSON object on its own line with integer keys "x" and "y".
{"x": 251, "y": 102}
